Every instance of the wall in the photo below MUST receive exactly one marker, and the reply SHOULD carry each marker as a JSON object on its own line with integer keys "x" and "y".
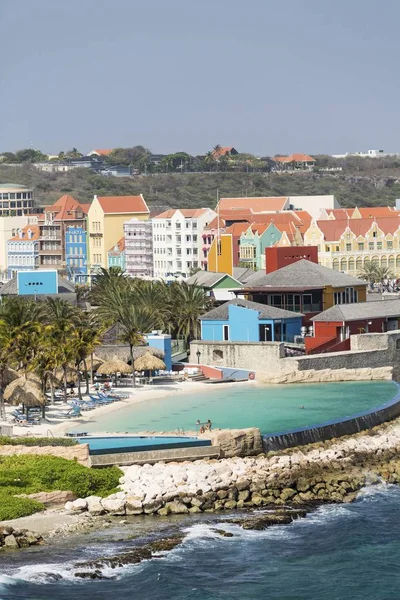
{"x": 7, "y": 226}
{"x": 221, "y": 262}
{"x": 329, "y": 291}
{"x": 243, "y": 324}
{"x": 211, "y": 331}
{"x": 279, "y": 257}
{"x": 80, "y": 452}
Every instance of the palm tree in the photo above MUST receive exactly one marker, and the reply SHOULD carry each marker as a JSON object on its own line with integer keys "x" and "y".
{"x": 190, "y": 302}
{"x": 134, "y": 322}
{"x": 368, "y": 272}
{"x": 88, "y": 332}
{"x": 6, "y": 338}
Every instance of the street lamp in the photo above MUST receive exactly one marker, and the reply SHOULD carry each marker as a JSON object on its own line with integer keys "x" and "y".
{"x": 198, "y": 354}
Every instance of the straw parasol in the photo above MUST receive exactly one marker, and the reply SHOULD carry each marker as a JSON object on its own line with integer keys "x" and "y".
{"x": 149, "y": 362}
{"x": 26, "y": 391}
{"x": 113, "y": 366}
{"x": 10, "y": 375}
{"x": 96, "y": 362}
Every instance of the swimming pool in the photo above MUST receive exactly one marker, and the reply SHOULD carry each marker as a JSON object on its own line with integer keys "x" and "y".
{"x": 271, "y": 408}
{"x": 114, "y": 444}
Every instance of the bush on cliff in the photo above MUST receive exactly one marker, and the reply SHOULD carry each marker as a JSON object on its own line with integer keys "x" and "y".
{"x": 13, "y": 508}
{"x": 36, "y": 441}
{"x": 28, "y": 474}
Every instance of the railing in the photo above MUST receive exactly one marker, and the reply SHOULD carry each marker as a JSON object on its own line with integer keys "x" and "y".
{"x": 178, "y": 346}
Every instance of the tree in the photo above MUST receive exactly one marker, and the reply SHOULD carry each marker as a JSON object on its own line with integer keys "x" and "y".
{"x": 88, "y": 334}
{"x": 373, "y": 273}
{"x": 74, "y": 153}
{"x": 30, "y": 155}
{"x": 8, "y": 157}
{"x": 190, "y": 302}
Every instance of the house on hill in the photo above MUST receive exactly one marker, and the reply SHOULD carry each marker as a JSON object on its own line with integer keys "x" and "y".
{"x": 295, "y": 162}
{"x": 220, "y": 151}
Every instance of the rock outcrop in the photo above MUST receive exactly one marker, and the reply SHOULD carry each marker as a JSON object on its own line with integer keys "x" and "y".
{"x": 13, "y": 539}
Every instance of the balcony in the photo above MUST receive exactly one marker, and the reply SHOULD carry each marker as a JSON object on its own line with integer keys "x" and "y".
{"x": 50, "y": 252}
{"x": 95, "y": 234}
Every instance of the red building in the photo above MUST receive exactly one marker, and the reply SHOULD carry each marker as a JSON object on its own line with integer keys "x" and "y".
{"x": 334, "y": 326}
{"x": 277, "y": 257}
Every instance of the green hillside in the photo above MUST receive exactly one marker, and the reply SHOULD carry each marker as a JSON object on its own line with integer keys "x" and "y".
{"x": 351, "y": 187}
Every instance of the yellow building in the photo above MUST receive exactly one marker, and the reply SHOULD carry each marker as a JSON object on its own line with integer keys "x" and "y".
{"x": 106, "y": 218}
{"x": 348, "y": 245}
{"x": 220, "y": 255}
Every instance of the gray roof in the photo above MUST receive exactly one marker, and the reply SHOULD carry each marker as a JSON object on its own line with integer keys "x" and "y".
{"x": 361, "y": 310}
{"x": 242, "y": 274}
{"x": 221, "y": 313}
{"x": 304, "y": 273}
{"x": 207, "y": 279}
{"x": 11, "y": 289}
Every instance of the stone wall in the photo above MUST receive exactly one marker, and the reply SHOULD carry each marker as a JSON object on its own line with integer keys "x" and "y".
{"x": 236, "y": 442}
{"x": 80, "y": 452}
{"x": 372, "y": 356}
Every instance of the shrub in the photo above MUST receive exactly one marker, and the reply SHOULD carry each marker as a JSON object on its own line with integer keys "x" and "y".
{"x": 36, "y": 441}
{"x": 13, "y": 508}
{"x": 31, "y": 473}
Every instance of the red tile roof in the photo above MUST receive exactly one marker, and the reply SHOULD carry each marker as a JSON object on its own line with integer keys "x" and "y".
{"x": 121, "y": 247}
{"x": 65, "y": 208}
{"x": 253, "y": 205}
{"x": 188, "y": 213}
{"x": 222, "y": 151}
{"x": 332, "y": 230}
{"x": 35, "y": 230}
{"x": 214, "y": 224}
{"x": 236, "y": 229}
{"x": 123, "y": 204}
{"x": 102, "y": 152}
{"x": 294, "y": 158}
{"x": 366, "y": 212}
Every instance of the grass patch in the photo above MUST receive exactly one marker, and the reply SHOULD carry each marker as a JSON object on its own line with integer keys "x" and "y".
{"x": 27, "y": 474}
{"x": 13, "y": 508}
{"x": 5, "y": 440}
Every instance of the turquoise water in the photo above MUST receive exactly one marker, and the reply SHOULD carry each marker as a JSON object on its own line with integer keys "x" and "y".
{"x": 271, "y": 408}
{"x": 103, "y": 445}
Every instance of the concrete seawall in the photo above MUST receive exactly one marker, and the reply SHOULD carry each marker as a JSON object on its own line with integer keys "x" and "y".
{"x": 80, "y": 452}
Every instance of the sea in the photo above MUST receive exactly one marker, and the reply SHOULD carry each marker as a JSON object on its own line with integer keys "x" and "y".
{"x": 337, "y": 552}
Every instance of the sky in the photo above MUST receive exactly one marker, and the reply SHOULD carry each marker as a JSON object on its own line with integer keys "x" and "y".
{"x": 264, "y": 76}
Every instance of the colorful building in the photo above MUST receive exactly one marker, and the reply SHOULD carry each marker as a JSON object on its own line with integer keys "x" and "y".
{"x": 251, "y": 209}
{"x": 23, "y": 250}
{"x": 332, "y": 328}
{"x": 220, "y": 255}
{"x": 76, "y": 253}
{"x": 116, "y": 255}
{"x": 295, "y": 162}
{"x": 139, "y": 248}
{"x": 106, "y": 218}
{"x": 53, "y": 224}
{"x": 218, "y": 286}
{"x": 244, "y": 321}
{"x": 348, "y": 245}
{"x": 278, "y": 257}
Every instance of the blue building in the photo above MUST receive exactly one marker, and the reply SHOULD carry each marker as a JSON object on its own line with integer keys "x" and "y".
{"x": 76, "y": 253}
{"x": 244, "y": 321}
{"x": 23, "y": 250}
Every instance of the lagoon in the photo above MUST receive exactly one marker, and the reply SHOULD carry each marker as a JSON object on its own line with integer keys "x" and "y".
{"x": 271, "y": 408}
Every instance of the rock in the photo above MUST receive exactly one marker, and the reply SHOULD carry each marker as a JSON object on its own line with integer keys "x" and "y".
{"x": 194, "y": 510}
{"x": 11, "y": 541}
{"x": 237, "y": 442}
{"x": 56, "y": 498}
{"x": 114, "y": 506}
{"x": 244, "y": 495}
{"x": 164, "y": 511}
{"x": 6, "y": 530}
{"x": 230, "y": 504}
{"x": 79, "y": 504}
{"x": 303, "y": 484}
{"x": 133, "y": 506}
{"x": 257, "y": 499}
{"x": 218, "y": 505}
{"x": 177, "y": 508}
{"x": 223, "y": 533}
{"x": 287, "y": 493}
{"x": 152, "y": 507}
{"x": 69, "y": 506}
{"x": 222, "y": 494}
{"x": 242, "y": 484}
{"x": 197, "y": 501}
{"x": 94, "y": 505}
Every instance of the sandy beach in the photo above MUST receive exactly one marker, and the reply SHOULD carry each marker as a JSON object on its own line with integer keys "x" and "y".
{"x": 54, "y": 425}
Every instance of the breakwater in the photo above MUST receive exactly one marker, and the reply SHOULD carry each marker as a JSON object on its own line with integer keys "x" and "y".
{"x": 324, "y": 472}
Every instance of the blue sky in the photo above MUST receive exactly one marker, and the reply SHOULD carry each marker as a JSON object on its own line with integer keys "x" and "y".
{"x": 265, "y": 76}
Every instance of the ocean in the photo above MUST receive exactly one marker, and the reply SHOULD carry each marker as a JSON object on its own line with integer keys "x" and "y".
{"x": 338, "y": 552}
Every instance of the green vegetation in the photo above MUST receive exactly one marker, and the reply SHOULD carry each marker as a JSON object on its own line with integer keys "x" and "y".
{"x": 27, "y": 474}
{"x": 352, "y": 186}
{"x": 13, "y": 508}
{"x": 36, "y": 441}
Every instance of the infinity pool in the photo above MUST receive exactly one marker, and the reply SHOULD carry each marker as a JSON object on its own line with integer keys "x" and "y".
{"x": 271, "y": 408}
{"x": 114, "y": 444}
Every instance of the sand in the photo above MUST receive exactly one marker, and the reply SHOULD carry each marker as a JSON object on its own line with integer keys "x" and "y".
{"x": 58, "y": 426}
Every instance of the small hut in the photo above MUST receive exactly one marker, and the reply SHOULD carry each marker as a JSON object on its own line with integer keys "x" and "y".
{"x": 150, "y": 363}
{"x": 26, "y": 391}
{"x": 114, "y": 366}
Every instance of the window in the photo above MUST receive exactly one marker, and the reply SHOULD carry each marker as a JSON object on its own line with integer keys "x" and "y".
{"x": 188, "y": 238}
{"x": 225, "y": 331}
{"x": 337, "y": 248}
{"x": 188, "y": 251}
{"x": 390, "y": 244}
{"x": 361, "y": 246}
{"x": 374, "y": 234}
{"x": 379, "y": 245}
{"x": 348, "y": 247}
{"x": 371, "y": 245}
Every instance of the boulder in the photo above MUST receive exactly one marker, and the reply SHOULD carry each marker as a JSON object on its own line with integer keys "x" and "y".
{"x": 114, "y": 506}
{"x": 243, "y": 495}
{"x": 242, "y": 484}
{"x": 79, "y": 505}
{"x": 152, "y": 507}
{"x": 94, "y": 505}
{"x": 194, "y": 510}
{"x": 178, "y": 508}
{"x": 287, "y": 493}
{"x": 133, "y": 506}
{"x": 237, "y": 442}
{"x": 164, "y": 511}
{"x": 10, "y": 541}
{"x": 230, "y": 504}
{"x": 56, "y": 498}
{"x": 6, "y": 530}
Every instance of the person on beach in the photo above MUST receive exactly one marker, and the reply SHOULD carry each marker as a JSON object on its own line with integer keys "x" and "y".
{"x": 208, "y": 425}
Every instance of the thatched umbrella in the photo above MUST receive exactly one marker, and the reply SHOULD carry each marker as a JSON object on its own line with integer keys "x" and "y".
{"x": 114, "y": 366}
{"x": 149, "y": 362}
{"x": 26, "y": 391}
{"x": 96, "y": 362}
{"x": 10, "y": 375}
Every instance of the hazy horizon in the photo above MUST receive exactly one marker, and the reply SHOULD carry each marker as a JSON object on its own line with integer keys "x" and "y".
{"x": 264, "y": 77}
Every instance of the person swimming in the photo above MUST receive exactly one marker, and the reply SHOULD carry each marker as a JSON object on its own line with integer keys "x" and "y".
{"x": 302, "y": 406}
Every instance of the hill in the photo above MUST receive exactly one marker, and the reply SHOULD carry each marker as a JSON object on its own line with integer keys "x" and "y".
{"x": 351, "y": 186}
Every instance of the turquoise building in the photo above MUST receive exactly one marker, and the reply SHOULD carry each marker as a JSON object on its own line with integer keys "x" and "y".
{"x": 253, "y": 243}
{"x": 116, "y": 255}
{"x": 244, "y": 321}
{"x": 76, "y": 253}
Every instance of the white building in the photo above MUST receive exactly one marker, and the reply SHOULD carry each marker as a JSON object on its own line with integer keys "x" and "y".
{"x": 177, "y": 241}
{"x": 138, "y": 248}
